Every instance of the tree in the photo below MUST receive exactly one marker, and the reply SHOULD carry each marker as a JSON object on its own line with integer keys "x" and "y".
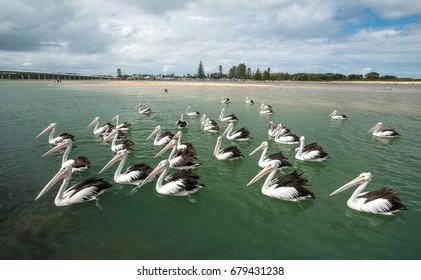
{"x": 201, "y": 71}
{"x": 266, "y": 74}
{"x": 257, "y": 75}
{"x": 119, "y": 75}
{"x": 372, "y": 76}
{"x": 241, "y": 71}
{"x": 220, "y": 70}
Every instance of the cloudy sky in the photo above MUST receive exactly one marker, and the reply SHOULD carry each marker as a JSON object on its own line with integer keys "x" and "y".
{"x": 172, "y": 36}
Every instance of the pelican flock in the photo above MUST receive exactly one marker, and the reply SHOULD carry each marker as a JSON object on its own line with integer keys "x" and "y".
{"x": 288, "y": 186}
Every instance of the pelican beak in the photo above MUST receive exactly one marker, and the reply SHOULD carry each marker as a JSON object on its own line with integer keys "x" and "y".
{"x": 259, "y": 175}
{"x": 354, "y": 182}
{"x": 115, "y": 118}
{"x": 257, "y": 149}
{"x": 55, "y": 148}
{"x": 374, "y": 128}
{"x": 114, "y": 160}
{"x": 331, "y": 114}
{"x": 230, "y": 125}
{"x": 44, "y": 131}
{"x": 153, "y": 133}
{"x": 94, "y": 122}
{"x": 166, "y": 148}
{"x": 61, "y": 174}
{"x": 158, "y": 169}
{"x": 109, "y": 136}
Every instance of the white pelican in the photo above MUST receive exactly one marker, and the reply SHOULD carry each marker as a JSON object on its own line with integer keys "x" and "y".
{"x": 336, "y": 116}
{"x": 126, "y": 145}
{"x": 209, "y": 125}
{"x": 183, "y": 185}
{"x": 228, "y": 118}
{"x": 122, "y": 126}
{"x": 160, "y": 139}
{"x": 290, "y": 139}
{"x": 83, "y": 191}
{"x": 265, "y": 160}
{"x": 281, "y": 130}
{"x": 388, "y": 132}
{"x": 249, "y": 101}
{"x": 228, "y": 153}
{"x": 290, "y": 187}
{"x": 191, "y": 113}
{"x": 225, "y": 100}
{"x": 384, "y": 201}
{"x": 134, "y": 174}
{"x": 98, "y": 130}
{"x": 181, "y": 123}
{"x": 178, "y": 160}
{"x": 143, "y": 110}
{"x": 310, "y": 152}
{"x": 55, "y": 140}
{"x": 79, "y": 163}
{"x": 241, "y": 134}
{"x": 265, "y": 109}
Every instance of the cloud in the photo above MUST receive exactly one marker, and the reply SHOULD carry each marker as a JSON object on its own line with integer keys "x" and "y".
{"x": 152, "y": 37}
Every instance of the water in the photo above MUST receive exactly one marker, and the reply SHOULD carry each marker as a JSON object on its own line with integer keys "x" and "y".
{"x": 228, "y": 220}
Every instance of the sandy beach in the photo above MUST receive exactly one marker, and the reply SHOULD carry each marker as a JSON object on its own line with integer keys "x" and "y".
{"x": 240, "y": 84}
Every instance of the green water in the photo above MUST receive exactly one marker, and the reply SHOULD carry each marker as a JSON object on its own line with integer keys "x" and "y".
{"x": 228, "y": 220}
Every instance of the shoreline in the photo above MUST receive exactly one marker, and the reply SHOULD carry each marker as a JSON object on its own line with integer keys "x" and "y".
{"x": 245, "y": 84}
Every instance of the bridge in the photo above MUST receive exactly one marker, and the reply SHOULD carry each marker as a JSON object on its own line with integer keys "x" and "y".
{"x": 58, "y": 76}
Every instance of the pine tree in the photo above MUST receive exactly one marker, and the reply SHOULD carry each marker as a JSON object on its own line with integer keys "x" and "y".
{"x": 201, "y": 71}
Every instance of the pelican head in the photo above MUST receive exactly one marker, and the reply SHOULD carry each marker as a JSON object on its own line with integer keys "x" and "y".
{"x": 48, "y": 128}
{"x": 377, "y": 126}
{"x": 63, "y": 173}
{"x": 94, "y": 122}
{"x": 63, "y": 144}
{"x": 228, "y": 129}
{"x": 117, "y": 117}
{"x": 155, "y": 132}
{"x": 170, "y": 145}
{"x": 110, "y": 136}
{"x": 262, "y": 146}
{"x": 363, "y": 177}
{"x": 267, "y": 169}
{"x": 333, "y": 113}
{"x": 162, "y": 166}
{"x": 218, "y": 144}
{"x": 118, "y": 157}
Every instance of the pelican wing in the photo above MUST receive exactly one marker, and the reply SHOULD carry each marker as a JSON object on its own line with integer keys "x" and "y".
{"x": 386, "y": 200}
{"x": 87, "y": 189}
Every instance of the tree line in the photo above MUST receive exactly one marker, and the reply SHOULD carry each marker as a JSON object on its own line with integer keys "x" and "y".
{"x": 242, "y": 72}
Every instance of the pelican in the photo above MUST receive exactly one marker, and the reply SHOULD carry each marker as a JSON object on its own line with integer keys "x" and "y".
{"x": 179, "y": 186}
{"x": 290, "y": 139}
{"x": 241, "y": 134}
{"x": 266, "y": 109}
{"x": 225, "y": 100}
{"x": 336, "y": 116}
{"x": 182, "y": 124}
{"x": 143, "y": 110}
{"x": 134, "y": 174}
{"x": 229, "y": 118}
{"x": 384, "y": 201}
{"x": 265, "y": 160}
{"x": 79, "y": 163}
{"x": 122, "y": 126}
{"x": 290, "y": 187}
{"x": 181, "y": 160}
{"x": 228, "y": 153}
{"x": 191, "y": 113}
{"x": 281, "y": 130}
{"x": 160, "y": 139}
{"x": 126, "y": 145}
{"x": 388, "y": 132}
{"x": 249, "y": 101}
{"x": 55, "y": 140}
{"x": 310, "y": 152}
{"x": 208, "y": 124}
{"x": 83, "y": 191}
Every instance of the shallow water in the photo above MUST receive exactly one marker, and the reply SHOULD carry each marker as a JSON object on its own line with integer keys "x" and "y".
{"x": 228, "y": 220}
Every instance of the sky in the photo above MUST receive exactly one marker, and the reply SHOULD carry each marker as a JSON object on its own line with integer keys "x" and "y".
{"x": 173, "y": 36}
